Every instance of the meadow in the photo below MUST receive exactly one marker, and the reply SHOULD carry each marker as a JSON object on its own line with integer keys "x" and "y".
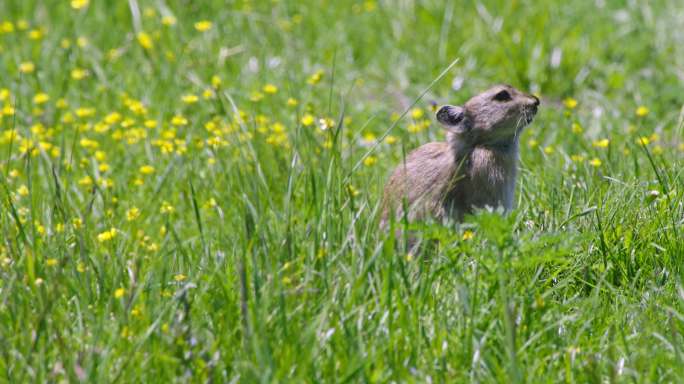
{"x": 190, "y": 192}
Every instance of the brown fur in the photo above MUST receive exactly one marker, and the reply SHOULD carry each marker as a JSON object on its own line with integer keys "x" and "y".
{"x": 475, "y": 168}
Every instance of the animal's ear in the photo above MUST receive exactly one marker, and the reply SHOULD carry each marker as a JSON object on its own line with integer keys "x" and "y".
{"x": 452, "y": 117}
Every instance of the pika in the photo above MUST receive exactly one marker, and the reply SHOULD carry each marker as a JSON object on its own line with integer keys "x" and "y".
{"x": 476, "y": 167}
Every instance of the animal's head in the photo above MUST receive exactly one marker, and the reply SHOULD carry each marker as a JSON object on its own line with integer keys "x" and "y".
{"x": 495, "y": 116}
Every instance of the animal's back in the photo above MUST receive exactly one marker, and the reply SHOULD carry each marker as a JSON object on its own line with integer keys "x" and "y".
{"x": 421, "y": 182}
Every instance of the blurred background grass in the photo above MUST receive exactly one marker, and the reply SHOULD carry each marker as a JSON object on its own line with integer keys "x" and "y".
{"x": 181, "y": 198}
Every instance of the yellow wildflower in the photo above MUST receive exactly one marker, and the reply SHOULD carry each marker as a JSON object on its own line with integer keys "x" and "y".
{"x": 179, "y": 120}
{"x": 51, "y": 262}
{"x": 132, "y": 214}
{"x": 27, "y": 67}
{"x": 370, "y": 161}
{"x": 468, "y": 234}
{"x": 78, "y": 74}
{"x": 166, "y": 207}
{"x": 315, "y": 78}
{"x": 417, "y": 113}
{"x": 119, "y": 292}
{"x": 189, "y": 99}
{"x": 41, "y": 98}
{"x": 203, "y": 25}
{"x": 215, "y": 81}
{"x": 145, "y": 40}
{"x": 107, "y": 235}
{"x": 270, "y": 89}
{"x": 642, "y": 111}
{"x": 307, "y": 120}
{"x": 179, "y": 277}
{"x": 147, "y": 169}
{"x": 603, "y": 143}
{"x": 168, "y": 20}
{"x": 79, "y": 4}
{"x": 23, "y": 190}
{"x": 595, "y": 162}
{"x": 570, "y": 103}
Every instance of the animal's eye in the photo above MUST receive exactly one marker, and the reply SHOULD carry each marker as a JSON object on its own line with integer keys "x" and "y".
{"x": 502, "y": 96}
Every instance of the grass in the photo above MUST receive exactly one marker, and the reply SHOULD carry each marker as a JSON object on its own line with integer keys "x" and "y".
{"x": 183, "y": 203}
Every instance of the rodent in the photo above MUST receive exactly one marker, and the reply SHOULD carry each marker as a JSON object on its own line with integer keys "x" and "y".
{"x": 476, "y": 166}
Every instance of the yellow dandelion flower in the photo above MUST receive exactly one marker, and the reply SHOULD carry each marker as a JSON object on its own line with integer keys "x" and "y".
{"x": 270, "y": 89}
{"x": 642, "y": 111}
{"x": 147, "y": 170}
{"x": 145, "y": 40}
{"x": 549, "y": 150}
{"x": 35, "y": 34}
{"x": 82, "y": 42}
{"x": 417, "y": 113}
{"x": 132, "y": 214}
{"x": 468, "y": 234}
{"x": 532, "y": 143}
{"x": 104, "y": 167}
{"x": 51, "y": 262}
{"x": 215, "y": 81}
{"x": 23, "y": 190}
{"x": 179, "y": 277}
{"x": 179, "y": 120}
{"x": 315, "y": 78}
{"x": 150, "y": 124}
{"x": 189, "y": 99}
{"x": 576, "y": 128}
{"x": 107, "y": 235}
{"x": 391, "y": 139}
{"x": 79, "y": 4}
{"x": 602, "y": 143}
{"x": 643, "y": 140}
{"x": 307, "y": 120}
{"x": 119, "y": 292}
{"x": 84, "y": 112}
{"x": 6, "y": 27}
{"x": 166, "y": 207}
{"x": 41, "y": 98}
{"x": 77, "y": 223}
{"x": 256, "y": 97}
{"x": 62, "y": 103}
{"x": 203, "y": 26}
{"x": 78, "y": 74}
{"x": 577, "y": 158}
{"x": 85, "y": 181}
{"x": 370, "y": 161}
{"x": 292, "y": 102}
{"x": 168, "y": 20}
{"x": 27, "y": 67}
{"x": 595, "y": 162}
{"x": 570, "y": 103}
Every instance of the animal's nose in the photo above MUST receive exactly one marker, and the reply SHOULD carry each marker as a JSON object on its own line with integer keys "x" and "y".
{"x": 536, "y": 100}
